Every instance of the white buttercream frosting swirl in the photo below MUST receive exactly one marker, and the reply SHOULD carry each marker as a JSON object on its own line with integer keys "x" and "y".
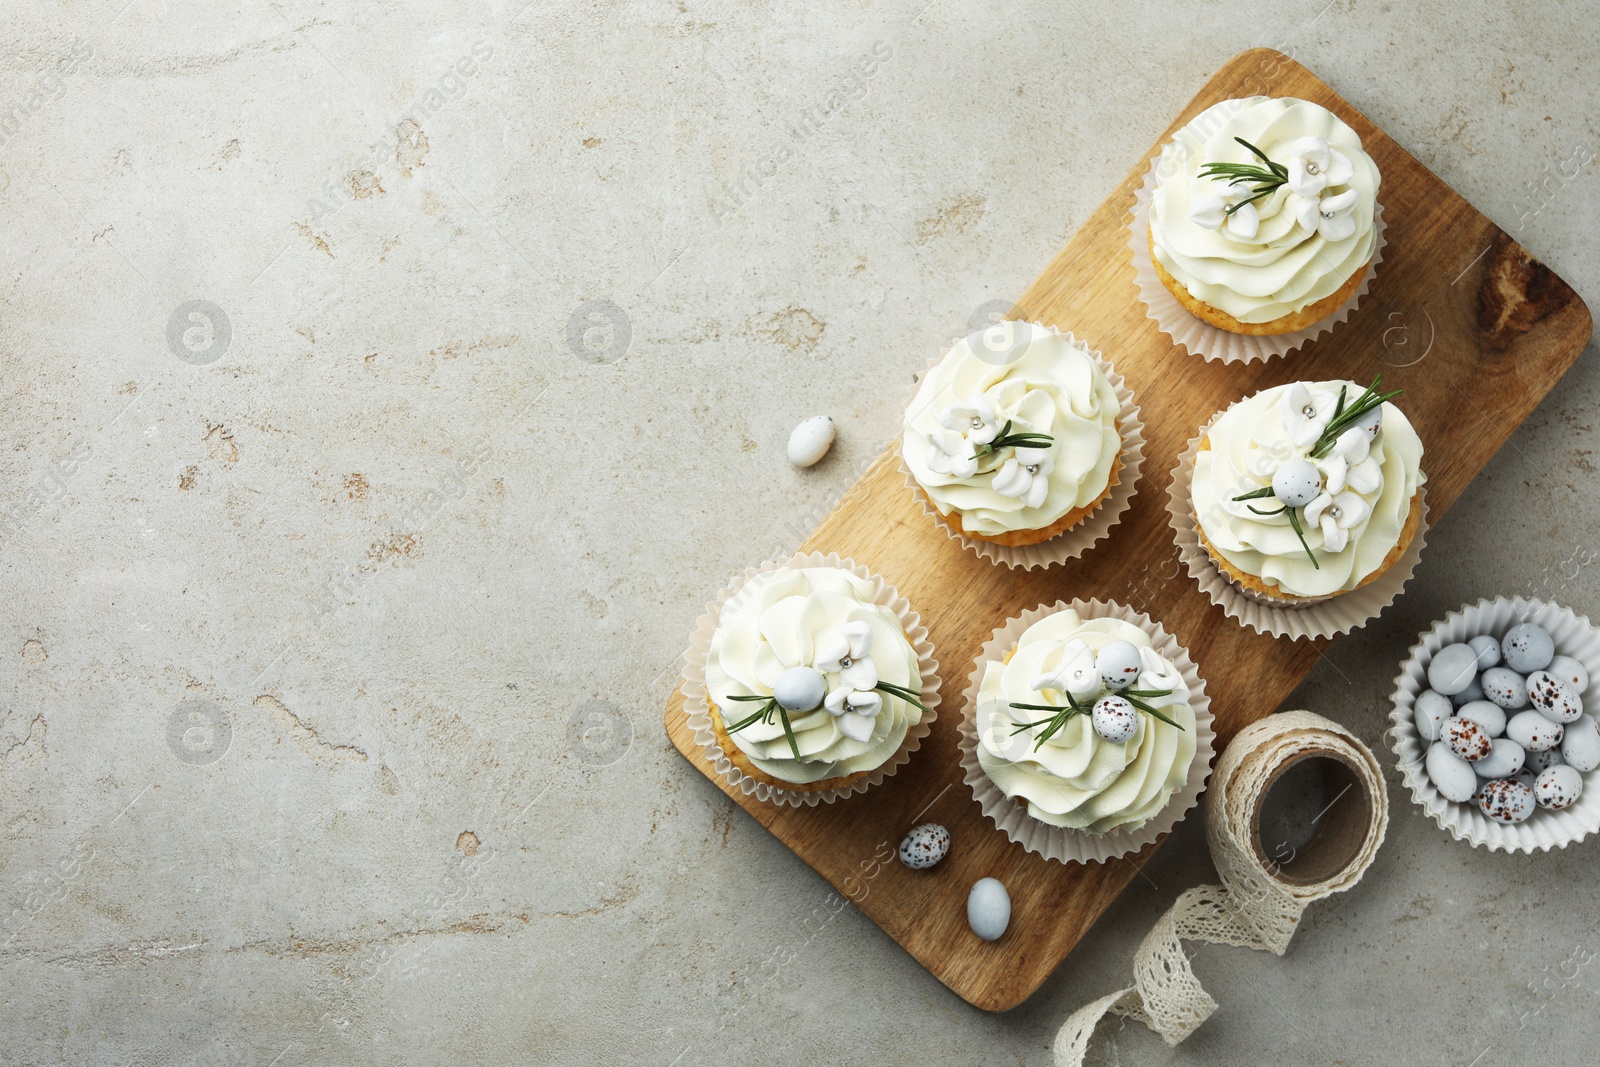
{"x": 824, "y": 618}
{"x": 1076, "y": 778}
{"x": 1038, "y": 381}
{"x": 1364, "y": 488}
{"x": 1297, "y": 245}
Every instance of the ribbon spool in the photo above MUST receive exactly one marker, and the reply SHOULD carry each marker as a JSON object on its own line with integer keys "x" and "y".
{"x": 1266, "y": 883}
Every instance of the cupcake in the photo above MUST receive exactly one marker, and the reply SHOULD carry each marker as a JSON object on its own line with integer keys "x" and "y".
{"x": 1013, "y": 435}
{"x": 1308, "y": 490}
{"x": 1085, "y": 724}
{"x": 812, "y": 684}
{"x": 1262, "y": 219}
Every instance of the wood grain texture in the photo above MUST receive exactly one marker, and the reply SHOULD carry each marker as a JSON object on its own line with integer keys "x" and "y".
{"x": 1472, "y": 327}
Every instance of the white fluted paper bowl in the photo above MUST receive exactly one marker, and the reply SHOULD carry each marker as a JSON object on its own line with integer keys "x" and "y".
{"x": 1574, "y": 636}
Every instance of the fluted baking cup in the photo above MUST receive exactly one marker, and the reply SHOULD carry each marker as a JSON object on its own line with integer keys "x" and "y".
{"x": 1095, "y": 526}
{"x": 1574, "y": 636}
{"x": 1199, "y": 336}
{"x": 697, "y": 707}
{"x": 1337, "y": 614}
{"x": 1081, "y": 846}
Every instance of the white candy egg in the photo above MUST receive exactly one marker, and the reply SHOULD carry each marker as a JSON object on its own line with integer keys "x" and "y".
{"x": 1580, "y": 748}
{"x": 1452, "y": 669}
{"x": 1558, "y": 787}
{"x": 1504, "y": 759}
{"x": 1452, "y": 777}
{"x": 1431, "y": 711}
{"x": 810, "y": 440}
{"x": 1115, "y": 719}
{"x": 1506, "y": 800}
{"x": 1118, "y": 663}
{"x": 1527, "y": 648}
{"x": 1488, "y": 650}
{"x": 1465, "y": 739}
{"x": 924, "y": 846}
{"x": 1538, "y": 762}
{"x": 1297, "y": 483}
{"x": 988, "y": 909}
{"x": 1487, "y": 714}
{"x": 800, "y": 688}
{"x": 1553, "y": 698}
{"x": 1473, "y": 691}
{"x": 1505, "y": 687}
{"x": 1533, "y": 731}
{"x": 1572, "y": 672}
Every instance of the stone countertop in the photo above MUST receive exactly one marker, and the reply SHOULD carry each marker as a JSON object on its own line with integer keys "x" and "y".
{"x": 386, "y": 388}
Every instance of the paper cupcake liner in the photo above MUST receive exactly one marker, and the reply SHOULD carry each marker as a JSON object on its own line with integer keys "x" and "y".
{"x": 1081, "y": 846}
{"x": 698, "y": 709}
{"x": 1202, "y": 338}
{"x": 1574, "y": 636}
{"x": 1095, "y": 526}
{"x": 1337, "y": 614}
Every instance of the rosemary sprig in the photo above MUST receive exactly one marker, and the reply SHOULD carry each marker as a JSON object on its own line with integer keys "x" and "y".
{"x": 910, "y": 696}
{"x": 1007, "y": 439}
{"x": 1055, "y": 721}
{"x": 1263, "y": 181}
{"x": 1133, "y": 696}
{"x": 1346, "y": 417}
{"x": 1294, "y": 522}
{"x": 764, "y": 714}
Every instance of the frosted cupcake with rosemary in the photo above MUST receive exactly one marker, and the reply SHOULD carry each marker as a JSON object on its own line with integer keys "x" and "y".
{"x": 811, "y": 683}
{"x": 1262, "y": 221}
{"x": 1308, "y": 490}
{"x": 1085, "y": 724}
{"x": 1013, "y": 436}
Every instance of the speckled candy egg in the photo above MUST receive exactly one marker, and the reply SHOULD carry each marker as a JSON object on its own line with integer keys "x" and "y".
{"x": 988, "y": 909}
{"x": 1558, "y": 787}
{"x": 1473, "y": 691}
{"x": 1533, "y": 731}
{"x": 1581, "y": 746}
{"x": 1465, "y": 739}
{"x": 1539, "y": 762}
{"x": 924, "y": 846}
{"x": 1503, "y": 761}
{"x": 1450, "y": 776}
{"x": 1506, "y": 800}
{"x": 1118, "y": 663}
{"x": 1115, "y": 719}
{"x": 1297, "y": 483}
{"x": 1505, "y": 687}
{"x": 799, "y": 688}
{"x": 1371, "y": 421}
{"x": 1572, "y": 672}
{"x": 1488, "y": 650}
{"x": 1452, "y": 669}
{"x": 1431, "y": 711}
{"x": 1553, "y": 698}
{"x": 1527, "y": 648}
{"x": 1487, "y": 714}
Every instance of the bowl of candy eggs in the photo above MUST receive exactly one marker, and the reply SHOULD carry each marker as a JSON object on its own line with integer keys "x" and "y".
{"x": 1495, "y": 726}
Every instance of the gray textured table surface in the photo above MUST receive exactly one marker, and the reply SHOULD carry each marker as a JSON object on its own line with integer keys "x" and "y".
{"x": 339, "y": 610}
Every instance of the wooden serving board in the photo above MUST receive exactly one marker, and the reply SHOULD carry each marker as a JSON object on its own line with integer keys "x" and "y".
{"x": 1462, "y": 318}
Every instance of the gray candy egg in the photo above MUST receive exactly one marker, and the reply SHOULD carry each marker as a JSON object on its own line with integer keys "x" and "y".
{"x": 800, "y": 688}
{"x": 1465, "y": 739}
{"x": 1538, "y": 762}
{"x": 1371, "y": 422}
{"x": 1533, "y": 731}
{"x": 1553, "y": 698}
{"x": 1118, "y": 663}
{"x": 1115, "y": 719}
{"x": 1505, "y": 687}
{"x": 1572, "y": 672}
{"x": 1527, "y": 648}
{"x": 1452, "y": 669}
{"x": 1503, "y": 761}
{"x": 924, "y": 846}
{"x": 1580, "y": 748}
{"x": 1473, "y": 691}
{"x": 1488, "y": 650}
{"x": 1506, "y": 800}
{"x": 1489, "y": 715}
{"x": 1450, "y": 776}
{"x": 1431, "y": 711}
{"x": 1557, "y": 787}
{"x": 1297, "y": 483}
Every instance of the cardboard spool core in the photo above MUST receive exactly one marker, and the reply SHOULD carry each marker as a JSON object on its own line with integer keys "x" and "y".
{"x": 1321, "y": 794}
